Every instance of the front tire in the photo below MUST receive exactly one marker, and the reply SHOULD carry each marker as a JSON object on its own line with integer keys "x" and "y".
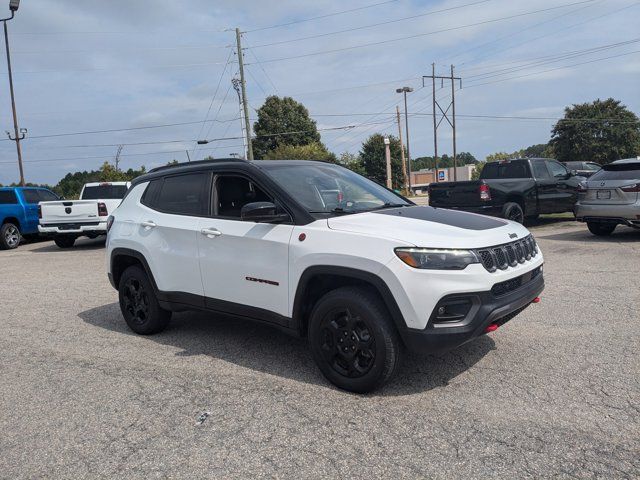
{"x": 139, "y": 304}
{"x": 513, "y": 211}
{"x": 601, "y": 229}
{"x": 64, "y": 242}
{"x": 353, "y": 340}
{"x": 9, "y": 236}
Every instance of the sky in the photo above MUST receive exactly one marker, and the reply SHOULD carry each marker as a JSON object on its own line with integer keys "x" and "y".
{"x": 157, "y": 74}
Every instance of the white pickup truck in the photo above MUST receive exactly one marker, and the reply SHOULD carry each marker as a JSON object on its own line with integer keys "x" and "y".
{"x": 66, "y": 220}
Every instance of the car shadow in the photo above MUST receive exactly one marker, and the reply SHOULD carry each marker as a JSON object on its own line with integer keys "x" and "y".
{"x": 266, "y": 349}
{"x": 548, "y": 220}
{"x": 81, "y": 244}
{"x": 620, "y": 235}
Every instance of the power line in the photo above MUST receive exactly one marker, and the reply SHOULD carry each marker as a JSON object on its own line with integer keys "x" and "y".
{"x": 399, "y": 39}
{"x": 387, "y": 22}
{"x": 320, "y": 17}
{"x": 111, "y": 68}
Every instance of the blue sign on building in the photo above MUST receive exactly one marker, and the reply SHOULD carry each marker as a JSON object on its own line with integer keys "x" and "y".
{"x": 440, "y": 175}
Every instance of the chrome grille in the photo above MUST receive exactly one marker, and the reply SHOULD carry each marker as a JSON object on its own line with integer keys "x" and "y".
{"x": 508, "y": 254}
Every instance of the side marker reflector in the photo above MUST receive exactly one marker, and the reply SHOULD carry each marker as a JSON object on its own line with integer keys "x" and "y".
{"x": 491, "y": 328}
{"x": 536, "y": 300}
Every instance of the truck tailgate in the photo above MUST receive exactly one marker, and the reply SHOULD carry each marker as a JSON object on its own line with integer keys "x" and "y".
{"x": 454, "y": 194}
{"x": 69, "y": 211}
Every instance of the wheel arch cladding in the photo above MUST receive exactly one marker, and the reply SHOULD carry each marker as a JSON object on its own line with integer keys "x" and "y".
{"x": 123, "y": 258}
{"x": 317, "y": 281}
{"x": 13, "y": 220}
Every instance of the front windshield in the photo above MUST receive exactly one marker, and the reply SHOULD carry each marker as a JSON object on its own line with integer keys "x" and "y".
{"x": 332, "y": 189}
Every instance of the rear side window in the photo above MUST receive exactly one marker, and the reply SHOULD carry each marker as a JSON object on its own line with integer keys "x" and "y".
{"x": 104, "y": 192}
{"x": 31, "y": 196}
{"x": 181, "y": 194}
{"x": 495, "y": 170}
{"x": 47, "y": 196}
{"x": 621, "y": 171}
{"x": 8, "y": 197}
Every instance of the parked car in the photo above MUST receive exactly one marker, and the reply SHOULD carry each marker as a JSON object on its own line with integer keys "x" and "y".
{"x": 361, "y": 273}
{"x": 19, "y": 213}
{"x": 514, "y": 189}
{"x": 611, "y": 197}
{"x": 66, "y": 220}
{"x": 583, "y": 169}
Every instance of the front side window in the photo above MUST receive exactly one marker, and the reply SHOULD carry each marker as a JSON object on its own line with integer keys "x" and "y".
{"x": 332, "y": 189}
{"x": 540, "y": 170}
{"x": 104, "y": 192}
{"x": 234, "y": 192}
{"x": 183, "y": 195}
{"x": 8, "y": 197}
{"x": 31, "y": 196}
{"x": 557, "y": 170}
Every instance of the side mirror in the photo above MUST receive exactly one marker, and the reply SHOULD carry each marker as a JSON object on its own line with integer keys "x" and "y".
{"x": 262, "y": 212}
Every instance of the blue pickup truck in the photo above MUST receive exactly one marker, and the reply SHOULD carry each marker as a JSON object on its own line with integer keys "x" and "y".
{"x": 19, "y": 213}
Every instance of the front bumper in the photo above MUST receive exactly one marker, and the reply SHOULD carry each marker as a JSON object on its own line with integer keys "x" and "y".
{"x": 488, "y": 308}
{"x": 81, "y": 228}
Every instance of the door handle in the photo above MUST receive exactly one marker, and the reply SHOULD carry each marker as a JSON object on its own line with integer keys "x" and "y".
{"x": 211, "y": 232}
{"x": 148, "y": 224}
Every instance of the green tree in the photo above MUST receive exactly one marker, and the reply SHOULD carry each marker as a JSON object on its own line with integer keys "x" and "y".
{"x": 475, "y": 175}
{"x": 536, "y": 151}
{"x": 311, "y": 151}
{"x": 71, "y": 185}
{"x": 352, "y": 162}
{"x": 276, "y": 118}
{"x": 601, "y": 131}
{"x": 374, "y": 161}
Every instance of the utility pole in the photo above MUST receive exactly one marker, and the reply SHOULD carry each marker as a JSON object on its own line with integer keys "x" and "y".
{"x": 18, "y": 133}
{"x": 243, "y": 87}
{"x": 188, "y": 156}
{"x": 404, "y": 166}
{"x": 387, "y": 154}
{"x": 236, "y": 86}
{"x": 120, "y": 147}
{"x": 445, "y": 114}
{"x": 404, "y": 91}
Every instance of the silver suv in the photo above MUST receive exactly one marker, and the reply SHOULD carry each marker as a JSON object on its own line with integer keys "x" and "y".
{"x": 611, "y": 197}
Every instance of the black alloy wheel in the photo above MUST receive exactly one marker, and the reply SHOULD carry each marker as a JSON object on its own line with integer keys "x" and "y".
{"x": 513, "y": 211}
{"x": 136, "y": 301}
{"x": 347, "y": 344}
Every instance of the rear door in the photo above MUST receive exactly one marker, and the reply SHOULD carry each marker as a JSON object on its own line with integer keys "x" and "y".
{"x": 172, "y": 208}
{"x": 244, "y": 264}
{"x": 31, "y": 199}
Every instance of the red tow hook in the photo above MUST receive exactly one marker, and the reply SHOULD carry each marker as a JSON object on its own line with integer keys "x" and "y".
{"x": 536, "y": 300}
{"x": 491, "y": 328}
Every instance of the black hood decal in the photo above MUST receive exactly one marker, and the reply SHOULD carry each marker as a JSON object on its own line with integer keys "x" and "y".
{"x": 454, "y": 218}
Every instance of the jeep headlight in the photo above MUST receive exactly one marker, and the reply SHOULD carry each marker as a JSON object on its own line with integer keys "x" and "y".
{"x": 436, "y": 259}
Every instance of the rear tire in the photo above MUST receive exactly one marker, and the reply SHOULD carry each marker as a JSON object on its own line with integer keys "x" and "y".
{"x": 9, "y": 236}
{"x": 601, "y": 229}
{"x": 353, "y": 340}
{"x": 139, "y": 304}
{"x": 513, "y": 211}
{"x": 64, "y": 241}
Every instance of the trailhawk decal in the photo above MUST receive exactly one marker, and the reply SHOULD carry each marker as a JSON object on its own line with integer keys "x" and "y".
{"x": 262, "y": 280}
{"x": 454, "y": 218}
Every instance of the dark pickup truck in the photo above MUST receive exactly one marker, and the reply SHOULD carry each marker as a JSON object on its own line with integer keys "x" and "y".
{"x": 514, "y": 189}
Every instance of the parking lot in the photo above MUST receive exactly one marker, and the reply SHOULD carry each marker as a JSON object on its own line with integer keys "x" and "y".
{"x": 556, "y": 392}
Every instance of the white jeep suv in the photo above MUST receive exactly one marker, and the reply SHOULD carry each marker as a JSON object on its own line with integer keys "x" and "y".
{"x": 320, "y": 252}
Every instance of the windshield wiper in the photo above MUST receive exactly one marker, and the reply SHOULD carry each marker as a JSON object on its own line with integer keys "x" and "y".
{"x": 338, "y": 210}
{"x": 387, "y": 205}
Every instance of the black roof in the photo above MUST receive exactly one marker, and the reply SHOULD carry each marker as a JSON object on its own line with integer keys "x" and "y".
{"x": 218, "y": 162}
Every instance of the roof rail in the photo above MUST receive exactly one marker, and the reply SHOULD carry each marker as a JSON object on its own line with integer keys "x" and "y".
{"x": 197, "y": 162}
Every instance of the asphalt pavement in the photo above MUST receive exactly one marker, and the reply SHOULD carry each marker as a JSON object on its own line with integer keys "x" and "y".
{"x": 554, "y": 393}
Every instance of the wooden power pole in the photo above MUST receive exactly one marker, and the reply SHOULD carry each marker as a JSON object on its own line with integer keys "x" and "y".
{"x": 245, "y": 104}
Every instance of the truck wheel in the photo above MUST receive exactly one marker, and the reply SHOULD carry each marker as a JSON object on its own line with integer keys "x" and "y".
{"x": 139, "y": 304}
{"x": 9, "y": 236}
{"x": 353, "y": 340}
{"x": 601, "y": 229}
{"x": 513, "y": 211}
{"x": 64, "y": 241}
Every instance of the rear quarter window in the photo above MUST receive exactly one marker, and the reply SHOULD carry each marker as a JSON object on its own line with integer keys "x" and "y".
{"x": 8, "y": 197}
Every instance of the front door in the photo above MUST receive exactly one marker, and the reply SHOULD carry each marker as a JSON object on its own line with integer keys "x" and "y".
{"x": 565, "y": 186}
{"x": 244, "y": 265}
